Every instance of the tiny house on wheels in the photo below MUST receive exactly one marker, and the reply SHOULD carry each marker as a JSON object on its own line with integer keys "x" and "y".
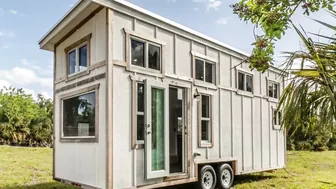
{"x": 143, "y": 102}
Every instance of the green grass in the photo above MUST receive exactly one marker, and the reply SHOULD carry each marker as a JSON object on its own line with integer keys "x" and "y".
{"x": 31, "y": 168}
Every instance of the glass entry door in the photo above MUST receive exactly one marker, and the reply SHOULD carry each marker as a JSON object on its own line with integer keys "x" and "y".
{"x": 157, "y": 129}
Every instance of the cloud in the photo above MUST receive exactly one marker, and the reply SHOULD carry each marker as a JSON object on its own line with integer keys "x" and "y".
{"x": 24, "y": 76}
{"x": 171, "y": 1}
{"x": 210, "y": 4}
{"x": 41, "y": 70}
{"x": 196, "y": 9}
{"x": 222, "y": 21}
{"x": 213, "y": 4}
{"x": 3, "y": 84}
{"x": 6, "y": 34}
{"x": 2, "y": 12}
{"x": 13, "y": 11}
{"x": 5, "y": 46}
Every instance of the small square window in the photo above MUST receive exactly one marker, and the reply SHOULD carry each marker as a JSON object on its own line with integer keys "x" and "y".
{"x": 205, "y": 71}
{"x": 138, "y": 53}
{"x": 273, "y": 89}
{"x": 145, "y": 54}
{"x": 245, "y": 82}
{"x": 77, "y": 56}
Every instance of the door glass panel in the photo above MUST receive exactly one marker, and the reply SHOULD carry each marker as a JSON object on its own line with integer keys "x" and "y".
{"x": 158, "y": 143}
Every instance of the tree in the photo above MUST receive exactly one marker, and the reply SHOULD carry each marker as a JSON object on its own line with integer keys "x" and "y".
{"x": 24, "y": 120}
{"x": 309, "y": 100}
{"x": 274, "y": 18}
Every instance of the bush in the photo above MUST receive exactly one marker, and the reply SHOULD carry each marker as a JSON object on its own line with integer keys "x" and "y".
{"x": 23, "y": 120}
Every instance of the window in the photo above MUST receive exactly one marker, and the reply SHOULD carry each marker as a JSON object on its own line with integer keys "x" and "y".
{"x": 140, "y": 113}
{"x": 78, "y": 59}
{"x": 205, "y": 127}
{"x": 273, "y": 89}
{"x": 145, "y": 54}
{"x": 276, "y": 118}
{"x": 79, "y": 116}
{"x": 245, "y": 82}
{"x": 205, "y": 71}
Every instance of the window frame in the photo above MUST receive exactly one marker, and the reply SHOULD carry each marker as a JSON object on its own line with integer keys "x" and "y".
{"x": 205, "y": 143}
{"x": 76, "y": 46}
{"x": 81, "y": 139}
{"x": 245, "y": 73}
{"x": 205, "y": 59}
{"x": 136, "y": 144}
{"x": 269, "y": 81}
{"x": 132, "y": 35}
{"x": 276, "y": 118}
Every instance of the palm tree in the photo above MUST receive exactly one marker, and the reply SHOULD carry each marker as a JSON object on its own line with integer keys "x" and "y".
{"x": 309, "y": 100}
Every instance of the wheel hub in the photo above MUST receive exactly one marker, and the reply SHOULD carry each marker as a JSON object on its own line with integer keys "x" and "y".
{"x": 207, "y": 180}
{"x": 226, "y": 177}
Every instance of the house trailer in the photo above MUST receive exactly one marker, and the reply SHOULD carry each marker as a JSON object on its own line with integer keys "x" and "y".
{"x": 143, "y": 102}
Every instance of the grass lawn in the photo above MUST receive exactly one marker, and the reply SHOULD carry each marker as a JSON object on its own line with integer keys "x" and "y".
{"x": 31, "y": 168}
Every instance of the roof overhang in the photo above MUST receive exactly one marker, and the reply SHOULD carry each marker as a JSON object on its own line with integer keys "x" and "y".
{"x": 68, "y": 23}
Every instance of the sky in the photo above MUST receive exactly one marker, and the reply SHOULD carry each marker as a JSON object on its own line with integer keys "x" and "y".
{"x": 23, "y": 23}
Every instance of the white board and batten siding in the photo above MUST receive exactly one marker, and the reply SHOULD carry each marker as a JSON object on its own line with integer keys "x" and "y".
{"x": 82, "y": 162}
{"x": 242, "y": 124}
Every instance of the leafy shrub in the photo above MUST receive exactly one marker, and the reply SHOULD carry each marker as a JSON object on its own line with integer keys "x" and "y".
{"x": 23, "y": 120}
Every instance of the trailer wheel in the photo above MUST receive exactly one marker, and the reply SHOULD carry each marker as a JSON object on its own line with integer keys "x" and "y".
{"x": 225, "y": 176}
{"x": 207, "y": 178}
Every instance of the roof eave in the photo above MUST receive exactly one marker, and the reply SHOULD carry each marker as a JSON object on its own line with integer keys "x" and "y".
{"x": 45, "y": 41}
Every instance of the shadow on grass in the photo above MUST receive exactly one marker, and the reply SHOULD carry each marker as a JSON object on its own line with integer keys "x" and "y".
{"x": 330, "y": 184}
{"x": 51, "y": 185}
{"x": 241, "y": 179}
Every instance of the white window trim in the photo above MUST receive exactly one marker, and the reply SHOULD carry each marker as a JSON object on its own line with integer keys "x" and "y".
{"x": 205, "y": 59}
{"x": 75, "y": 46}
{"x": 130, "y": 34}
{"x": 205, "y": 143}
{"x": 245, "y": 92}
{"x": 268, "y": 80}
{"x": 139, "y": 113}
{"x": 88, "y": 90}
{"x": 275, "y": 125}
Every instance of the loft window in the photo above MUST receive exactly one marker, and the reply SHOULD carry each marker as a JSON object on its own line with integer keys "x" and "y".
{"x": 79, "y": 116}
{"x": 78, "y": 59}
{"x": 205, "y": 71}
{"x": 245, "y": 81}
{"x": 145, "y": 54}
{"x": 273, "y": 89}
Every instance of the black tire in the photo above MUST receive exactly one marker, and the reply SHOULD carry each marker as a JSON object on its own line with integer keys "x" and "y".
{"x": 207, "y": 178}
{"x": 225, "y": 176}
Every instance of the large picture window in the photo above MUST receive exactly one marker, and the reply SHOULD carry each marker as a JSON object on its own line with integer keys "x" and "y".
{"x": 145, "y": 54}
{"x": 79, "y": 116}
